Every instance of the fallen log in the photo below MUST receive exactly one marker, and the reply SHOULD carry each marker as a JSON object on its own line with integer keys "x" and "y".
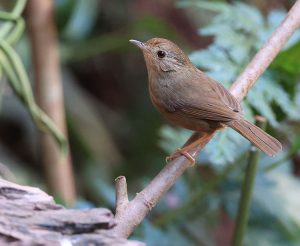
{"x": 29, "y": 216}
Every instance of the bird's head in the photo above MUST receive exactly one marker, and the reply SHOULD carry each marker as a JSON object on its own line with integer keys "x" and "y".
{"x": 162, "y": 55}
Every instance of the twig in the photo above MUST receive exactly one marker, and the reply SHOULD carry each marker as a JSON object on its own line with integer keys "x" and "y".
{"x": 121, "y": 195}
{"x": 247, "y": 190}
{"x": 48, "y": 87}
{"x": 147, "y": 198}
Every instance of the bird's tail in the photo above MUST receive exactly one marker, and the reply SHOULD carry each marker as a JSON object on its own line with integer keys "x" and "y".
{"x": 257, "y": 136}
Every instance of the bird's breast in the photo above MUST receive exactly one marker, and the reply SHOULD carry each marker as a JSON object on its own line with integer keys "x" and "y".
{"x": 162, "y": 94}
{"x": 165, "y": 104}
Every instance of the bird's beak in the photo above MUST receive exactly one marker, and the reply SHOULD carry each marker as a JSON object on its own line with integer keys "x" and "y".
{"x": 139, "y": 44}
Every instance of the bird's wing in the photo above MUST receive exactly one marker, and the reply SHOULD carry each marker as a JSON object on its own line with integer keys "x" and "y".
{"x": 208, "y": 100}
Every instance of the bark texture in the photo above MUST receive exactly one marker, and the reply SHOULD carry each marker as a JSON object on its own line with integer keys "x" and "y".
{"x": 30, "y": 217}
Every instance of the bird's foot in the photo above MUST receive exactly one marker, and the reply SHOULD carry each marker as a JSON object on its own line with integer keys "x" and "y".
{"x": 180, "y": 152}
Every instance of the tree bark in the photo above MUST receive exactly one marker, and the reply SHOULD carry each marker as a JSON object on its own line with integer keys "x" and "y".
{"x": 30, "y": 217}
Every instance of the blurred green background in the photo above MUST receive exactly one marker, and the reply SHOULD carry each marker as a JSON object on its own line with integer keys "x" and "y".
{"x": 114, "y": 130}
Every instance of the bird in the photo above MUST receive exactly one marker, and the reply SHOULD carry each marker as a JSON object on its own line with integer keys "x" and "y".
{"x": 189, "y": 98}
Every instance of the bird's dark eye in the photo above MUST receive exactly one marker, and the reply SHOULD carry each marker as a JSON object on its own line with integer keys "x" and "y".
{"x": 161, "y": 54}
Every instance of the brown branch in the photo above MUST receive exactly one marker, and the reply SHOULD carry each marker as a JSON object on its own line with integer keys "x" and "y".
{"x": 267, "y": 53}
{"x": 138, "y": 208}
{"x": 48, "y": 85}
{"x": 121, "y": 195}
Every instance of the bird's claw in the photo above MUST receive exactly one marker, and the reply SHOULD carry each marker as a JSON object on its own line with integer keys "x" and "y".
{"x": 180, "y": 152}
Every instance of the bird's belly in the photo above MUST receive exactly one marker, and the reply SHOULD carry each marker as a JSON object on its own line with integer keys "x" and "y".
{"x": 191, "y": 123}
{"x": 180, "y": 119}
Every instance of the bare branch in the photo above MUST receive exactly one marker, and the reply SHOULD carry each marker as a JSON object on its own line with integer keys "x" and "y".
{"x": 121, "y": 195}
{"x": 267, "y": 53}
{"x": 148, "y": 198}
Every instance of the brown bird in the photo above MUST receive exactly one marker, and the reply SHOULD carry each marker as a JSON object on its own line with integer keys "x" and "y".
{"x": 191, "y": 99}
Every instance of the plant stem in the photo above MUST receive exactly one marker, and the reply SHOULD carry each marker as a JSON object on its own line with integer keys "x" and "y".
{"x": 16, "y": 11}
{"x": 246, "y": 194}
{"x": 48, "y": 84}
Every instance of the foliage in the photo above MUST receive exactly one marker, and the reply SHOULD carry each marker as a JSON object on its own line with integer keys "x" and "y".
{"x": 274, "y": 215}
{"x": 103, "y": 136}
{"x": 236, "y": 40}
{"x": 189, "y": 213}
{"x": 13, "y": 69}
{"x": 288, "y": 60}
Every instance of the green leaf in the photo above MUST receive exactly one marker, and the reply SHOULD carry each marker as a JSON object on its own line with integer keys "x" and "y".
{"x": 17, "y": 77}
{"x": 236, "y": 40}
{"x": 222, "y": 149}
{"x": 288, "y": 60}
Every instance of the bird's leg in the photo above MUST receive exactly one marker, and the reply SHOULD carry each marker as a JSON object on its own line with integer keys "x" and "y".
{"x": 195, "y": 141}
{"x": 183, "y": 152}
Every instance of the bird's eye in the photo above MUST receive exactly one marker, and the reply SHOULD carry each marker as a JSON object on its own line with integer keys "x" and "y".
{"x": 161, "y": 54}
